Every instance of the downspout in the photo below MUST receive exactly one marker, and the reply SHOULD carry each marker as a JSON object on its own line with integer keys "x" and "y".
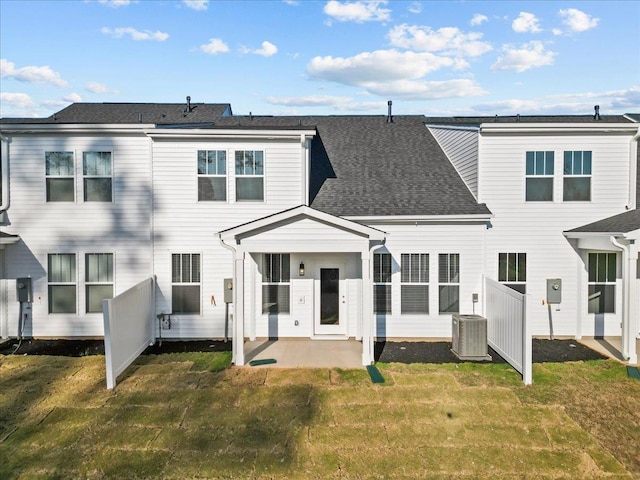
{"x": 628, "y": 340}
{"x": 633, "y": 170}
{"x": 234, "y": 341}
{"x": 4, "y": 154}
{"x": 373, "y": 320}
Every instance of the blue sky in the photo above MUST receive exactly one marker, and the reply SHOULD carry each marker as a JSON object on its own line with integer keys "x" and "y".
{"x": 323, "y": 57}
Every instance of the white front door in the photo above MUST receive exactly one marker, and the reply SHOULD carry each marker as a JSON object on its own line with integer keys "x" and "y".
{"x": 330, "y": 300}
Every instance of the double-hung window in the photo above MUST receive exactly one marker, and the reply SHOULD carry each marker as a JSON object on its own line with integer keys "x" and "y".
{"x": 60, "y": 176}
{"x": 98, "y": 273}
{"x": 382, "y": 282}
{"x": 449, "y": 282}
{"x": 576, "y": 185}
{"x": 212, "y": 175}
{"x": 602, "y": 282}
{"x": 539, "y": 177}
{"x": 249, "y": 175}
{"x": 512, "y": 270}
{"x": 276, "y": 286}
{"x": 97, "y": 181}
{"x": 414, "y": 289}
{"x": 185, "y": 280}
{"x": 62, "y": 280}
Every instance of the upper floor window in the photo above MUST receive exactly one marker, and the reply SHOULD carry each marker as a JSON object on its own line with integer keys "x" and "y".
{"x": 249, "y": 175}
{"x": 97, "y": 181}
{"x": 185, "y": 283}
{"x": 276, "y": 277}
{"x": 577, "y": 176}
{"x": 539, "y": 177}
{"x": 414, "y": 291}
{"x": 98, "y": 273}
{"x": 59, "y": 175}
{"x": 212, "y": 175}
{"x": 512, "y": 270}
{"x": 382, "y": 282}
{"x": 449, "y": 282}
{"x": 61, "y": 277}
{"x": 602, "y": 282}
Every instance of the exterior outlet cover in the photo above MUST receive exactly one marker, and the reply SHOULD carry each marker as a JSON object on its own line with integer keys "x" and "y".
{"x": 301, "y": 300}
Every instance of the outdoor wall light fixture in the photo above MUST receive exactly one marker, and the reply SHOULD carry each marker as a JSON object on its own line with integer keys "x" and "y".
{"x": 301, "y": 269}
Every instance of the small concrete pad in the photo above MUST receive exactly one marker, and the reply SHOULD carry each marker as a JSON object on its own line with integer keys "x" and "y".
{"x": 290, "y": 353}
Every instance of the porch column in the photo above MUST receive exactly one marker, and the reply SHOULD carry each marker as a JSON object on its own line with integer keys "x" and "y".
{"x": 632, "y": 294}
{"x": 368, "y": 323}
{"x": 238, "y": 309}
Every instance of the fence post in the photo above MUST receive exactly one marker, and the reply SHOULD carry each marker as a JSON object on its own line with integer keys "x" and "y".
{"x": 527, "y": 347}
{"x": 108, "y": 354}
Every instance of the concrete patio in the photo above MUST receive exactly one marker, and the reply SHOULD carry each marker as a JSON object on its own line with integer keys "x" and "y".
{"x": 609, "y": 346}
{"x": 290, "y": 353}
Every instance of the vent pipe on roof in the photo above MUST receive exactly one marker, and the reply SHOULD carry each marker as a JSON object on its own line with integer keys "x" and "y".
{"x": 139, "y": 117}
{"x": 188, "y": 103}
{"x": 389, "y": 116}
{"x": 596, "y": 115}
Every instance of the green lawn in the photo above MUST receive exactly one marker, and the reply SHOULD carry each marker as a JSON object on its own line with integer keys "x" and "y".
{"x": 183, "y": 416}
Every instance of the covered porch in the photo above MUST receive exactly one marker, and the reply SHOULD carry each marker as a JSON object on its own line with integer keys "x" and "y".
{"x": 302, "y": 274}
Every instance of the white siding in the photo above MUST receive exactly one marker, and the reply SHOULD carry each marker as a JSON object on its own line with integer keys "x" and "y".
{"x": 535, "y": 228}
{"x": 121, "y": 227}
{"x": 184, "y": 225}
{"x": 461, "y": 147}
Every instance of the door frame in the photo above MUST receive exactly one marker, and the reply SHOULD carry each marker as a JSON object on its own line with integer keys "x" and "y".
{"x": 341, "y": 328}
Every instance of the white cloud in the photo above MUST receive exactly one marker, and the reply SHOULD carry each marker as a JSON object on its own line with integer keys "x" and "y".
{"x": 30, "y": 74}
{"x": 115, "y": 3}
{"x": 196, "y": 4}
{"x": 526, "y": 22}
{"x": 577, "y": 20}
{"x": 16, "y": 100}
{"x": 532, "y": 54}
{"x": 268, "y": 50}
{"x": 135, "y": 34}
{"x": 214, "y": 46}
{"x": 379, "y": 66}
{"x": 447, "y": 40}
{"x": 479, "y": 19}
{"x": 95, "y": 87}
{"x": 415, "y": 7}
{"x": 309, "y": 101}
{"x": 359, "y": 11}
{"x": 427, "y": 90}
{"x": 72, "y": 97}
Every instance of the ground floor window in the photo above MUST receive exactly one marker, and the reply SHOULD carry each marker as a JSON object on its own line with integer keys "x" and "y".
{"x": 98, "y": 273}
{"x": 602, "y": 282}
{"x": 414, "y": 278}
{"x": 276, "y": 283}
{"x": 449, "y": 282}
{"x": 185, "y": 283}
{"x": 512, "y": 271}
{"x": 382, "y": 282}
{"x": 62, "y": 282}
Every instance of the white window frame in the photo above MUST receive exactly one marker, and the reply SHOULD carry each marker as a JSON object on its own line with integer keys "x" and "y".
{"x": 607, "y": 282}
{"x": 382, "y": 281}
{"x": 412, "y": 276}
{"x": 208, "y": 175}
{"x": 92, "y": 177}
{"x": 579, "y": 166}
{"x": 57, "y": 283}
{"x": 187, "y": 280}
{"x": 280, "y": 281}
{"x": 106, "y": 283}
{"x": 49, "y": 176}
{"x": 249, "y": 175}
{"x": 548, "y": 156}
{"x": 448, "y": 280}
{"x": 513, "y": 267}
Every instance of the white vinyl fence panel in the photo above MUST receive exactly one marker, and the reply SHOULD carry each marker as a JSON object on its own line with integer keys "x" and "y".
{"x": 508, "y": 332}
{"x": 129, "y": 327}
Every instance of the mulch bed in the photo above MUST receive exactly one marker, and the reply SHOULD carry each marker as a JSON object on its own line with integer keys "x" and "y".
{"x": 387, "y": 352}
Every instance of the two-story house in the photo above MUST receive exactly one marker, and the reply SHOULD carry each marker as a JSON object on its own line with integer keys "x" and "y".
{"x": 349, "y": 227}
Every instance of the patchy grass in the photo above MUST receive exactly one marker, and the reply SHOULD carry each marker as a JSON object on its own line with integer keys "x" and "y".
{"x": 190, "y": 415}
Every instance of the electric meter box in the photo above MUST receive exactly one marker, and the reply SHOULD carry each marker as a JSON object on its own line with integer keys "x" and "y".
{"x": 554, "y": 290}
{"x": 228, "y": 290}
{"x": 24, "y": 292}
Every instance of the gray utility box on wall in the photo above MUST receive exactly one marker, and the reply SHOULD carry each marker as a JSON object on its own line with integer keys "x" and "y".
{"x": 469, "y": 337}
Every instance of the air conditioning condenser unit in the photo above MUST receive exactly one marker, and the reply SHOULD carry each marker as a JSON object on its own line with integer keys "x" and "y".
{"x": 469, "y": 337}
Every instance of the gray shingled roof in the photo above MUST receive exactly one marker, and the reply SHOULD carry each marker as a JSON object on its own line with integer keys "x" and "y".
{"x": 156, "y": 113}
{"x": 468, "y": 121}
{"x": 621, "y": 223}
{"x": 365, "y": 166}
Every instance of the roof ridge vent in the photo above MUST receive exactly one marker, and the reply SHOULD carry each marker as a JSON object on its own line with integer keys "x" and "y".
{"x": 596, "y": 115}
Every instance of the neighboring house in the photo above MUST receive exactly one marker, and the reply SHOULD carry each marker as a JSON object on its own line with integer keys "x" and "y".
{"x": 318, "y": 220}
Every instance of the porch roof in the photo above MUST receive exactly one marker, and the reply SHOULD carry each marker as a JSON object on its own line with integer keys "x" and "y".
{"x": 617, "y": 225}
